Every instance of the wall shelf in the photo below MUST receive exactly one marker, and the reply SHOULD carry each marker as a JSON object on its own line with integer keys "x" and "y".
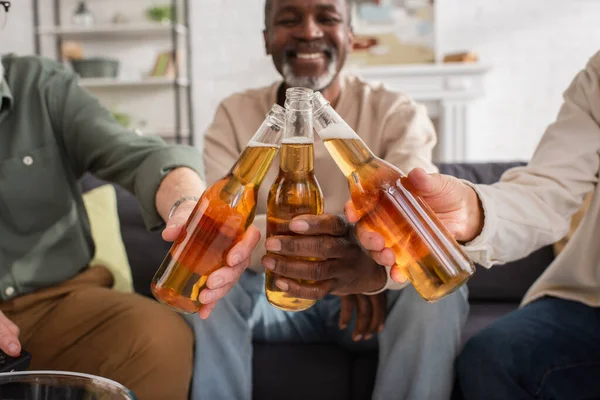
{"x": 123, "y": 30}
{"x": 140, "y": 45}
{"x": 146, "y": 82}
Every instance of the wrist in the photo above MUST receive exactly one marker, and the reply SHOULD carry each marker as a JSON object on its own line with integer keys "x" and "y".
{"x": 181, "y": 201}
{"x": 475, "y": 215}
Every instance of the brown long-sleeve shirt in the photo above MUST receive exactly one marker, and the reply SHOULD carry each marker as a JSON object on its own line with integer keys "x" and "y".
{"x": 393, "y": 126}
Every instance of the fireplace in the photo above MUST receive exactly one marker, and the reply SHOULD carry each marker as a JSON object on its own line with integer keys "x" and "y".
{"x": 447, "y": 90}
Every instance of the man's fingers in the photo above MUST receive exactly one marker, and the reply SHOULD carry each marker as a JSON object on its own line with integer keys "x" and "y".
{"x": 325, "y": 224}
{"x": 425, "y": 184}
{"x": 206, "y": 309}
{"x": 300, "y": 269}
{"x": 369, "y": 239}
{"x": 348, "y": 303}
{"x": 379, "y": 307}
{"x": 309, "y": 246}
{"x": 309, "y": 291}
{"x": 243, "y": 249}
{"x": 178, "y": 220}
{"x": 399, "y": 274}
{"x": 12, "y": 327}
{"x": 208, "y": 296}
{"x": 9, "y": 342}
{"x": 385, "y": 257}
{"x": 170, "y": 233}
{"x": 363, "y": 317}
{"x": 226, "y": 275}
{"x": 352, "y": 214}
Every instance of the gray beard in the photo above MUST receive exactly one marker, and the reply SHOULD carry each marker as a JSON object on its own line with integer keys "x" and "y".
{"x": 310, "y": 82}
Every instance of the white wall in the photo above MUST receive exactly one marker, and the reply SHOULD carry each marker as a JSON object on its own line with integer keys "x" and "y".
{"x": 534, "y": 46}
{"x": 17, "y": 36}
{"x": 228, "y": 51}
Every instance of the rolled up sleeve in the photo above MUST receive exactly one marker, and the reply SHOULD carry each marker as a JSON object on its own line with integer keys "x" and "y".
{"x": 95, "y": 142}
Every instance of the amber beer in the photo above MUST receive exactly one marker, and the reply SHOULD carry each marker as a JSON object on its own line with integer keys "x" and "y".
{"x": 219, "y": 220}
{"x": 295, "y": 190}
{"x": 425, "y": 251}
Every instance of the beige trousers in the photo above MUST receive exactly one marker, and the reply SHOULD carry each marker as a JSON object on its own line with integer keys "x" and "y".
{"x": 84, "y": 326}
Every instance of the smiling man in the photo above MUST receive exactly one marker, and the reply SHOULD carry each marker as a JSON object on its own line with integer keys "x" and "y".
{"x": 309, "y": 41}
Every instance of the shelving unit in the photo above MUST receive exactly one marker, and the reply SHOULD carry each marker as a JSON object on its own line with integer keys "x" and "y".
{"x": 122, "y": 83}
{"x": 141, "y": 93}
{"x": 113, "y": 30}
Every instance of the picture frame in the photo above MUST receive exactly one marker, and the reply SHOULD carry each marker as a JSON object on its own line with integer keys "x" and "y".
{"x": 394, "y": 32}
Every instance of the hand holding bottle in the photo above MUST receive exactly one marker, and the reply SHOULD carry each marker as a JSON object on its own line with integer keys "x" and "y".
{"x": 220, "y": 282}
{"x": 214, "y": 229}
{"x": 340, "y": 265}
{"x": 454, "y": 203}
{"x": 425, "y": 252}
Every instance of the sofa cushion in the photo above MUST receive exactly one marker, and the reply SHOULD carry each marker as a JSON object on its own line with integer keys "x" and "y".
{"x": 508, "y": 282}
{"x": 145, "y": 250}
{"x": 101, "y": 207}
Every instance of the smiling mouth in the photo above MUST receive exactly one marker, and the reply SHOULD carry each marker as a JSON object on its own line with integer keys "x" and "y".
{"x": 309, "y": 55}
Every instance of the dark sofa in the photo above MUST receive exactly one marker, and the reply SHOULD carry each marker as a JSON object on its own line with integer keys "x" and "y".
{"x": 327, "y": 371}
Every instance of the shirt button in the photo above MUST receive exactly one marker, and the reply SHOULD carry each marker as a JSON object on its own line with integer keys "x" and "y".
{"x": 27, "y": 160}
{"x": 9, "y": 291}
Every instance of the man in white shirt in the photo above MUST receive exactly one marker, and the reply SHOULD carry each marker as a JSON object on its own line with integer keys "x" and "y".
{"x": 550, "y": 347}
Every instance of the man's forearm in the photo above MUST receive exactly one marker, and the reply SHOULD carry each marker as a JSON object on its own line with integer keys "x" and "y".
{"x": 179, "y": 183}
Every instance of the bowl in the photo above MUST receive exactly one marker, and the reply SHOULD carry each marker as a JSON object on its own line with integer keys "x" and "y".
{"x": 55, "y": 385}
{"x": 98, "y": 67}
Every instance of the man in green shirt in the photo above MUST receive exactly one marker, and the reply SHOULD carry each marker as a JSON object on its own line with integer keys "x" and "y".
{"x": 51, "y": 132}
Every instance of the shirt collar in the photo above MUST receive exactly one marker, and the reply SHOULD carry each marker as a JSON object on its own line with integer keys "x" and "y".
{"x": 6, "y": 98}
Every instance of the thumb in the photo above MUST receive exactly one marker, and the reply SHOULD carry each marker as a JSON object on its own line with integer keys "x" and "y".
{"x": 426, "y": 184}
{"x": 9, "y": 341}
{"x": 177, "y": 222}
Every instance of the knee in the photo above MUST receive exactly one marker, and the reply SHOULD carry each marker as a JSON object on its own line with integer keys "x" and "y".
{"x": 479, "y": 352}
{"x": 162, "y": 343}
{"x": 450, "y": 311}
{"x": 487, "y": 359}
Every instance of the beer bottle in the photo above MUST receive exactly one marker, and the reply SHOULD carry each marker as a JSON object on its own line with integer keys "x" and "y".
{"x": 295, "y": 191}
{"x": 425, "y": 251}
{"x": 219, "y": 220}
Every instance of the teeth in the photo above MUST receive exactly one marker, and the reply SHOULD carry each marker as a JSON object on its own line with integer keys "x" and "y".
{"x": 309, "y": 56}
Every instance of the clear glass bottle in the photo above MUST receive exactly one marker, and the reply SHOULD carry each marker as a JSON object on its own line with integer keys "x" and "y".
{"x": 224, "y": 212}
{"x": 425, "y": 251}
{"x": 295, "y": 190}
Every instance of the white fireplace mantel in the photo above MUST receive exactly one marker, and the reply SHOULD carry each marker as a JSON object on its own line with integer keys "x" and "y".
{"x": 446, "y": 89}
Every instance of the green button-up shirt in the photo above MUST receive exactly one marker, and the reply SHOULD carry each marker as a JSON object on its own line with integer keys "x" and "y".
{"x": 51, "y": 132}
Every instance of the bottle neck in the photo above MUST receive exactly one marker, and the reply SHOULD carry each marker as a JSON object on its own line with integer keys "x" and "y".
{"x": 297, "y": 158}
{"x": 297, "y": 145}
{"x": 254, "y": 162}
{"x": 346, "y": 148}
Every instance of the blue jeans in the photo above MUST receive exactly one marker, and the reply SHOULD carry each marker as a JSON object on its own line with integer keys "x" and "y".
{"x": 417, "y": 347}
{"x": 549, "y": 349}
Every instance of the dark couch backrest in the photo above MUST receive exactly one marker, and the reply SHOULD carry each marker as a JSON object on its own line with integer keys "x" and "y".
{"x": 507, "y": 282}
